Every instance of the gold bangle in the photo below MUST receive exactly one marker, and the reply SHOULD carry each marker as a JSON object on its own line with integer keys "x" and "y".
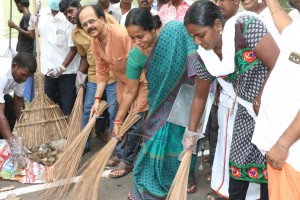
{"x": 276, "y": 10}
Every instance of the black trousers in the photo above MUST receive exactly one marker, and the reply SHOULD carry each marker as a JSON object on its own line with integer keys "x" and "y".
{"x": 9, "y": 112}
{"x": 238, "y": 190}
{"x": 211, "y": 132}
{"x": 62, "y": 91}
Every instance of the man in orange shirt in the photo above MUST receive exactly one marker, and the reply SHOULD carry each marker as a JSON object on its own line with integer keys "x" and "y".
{"x": 87, "y": 67}
{"x": 111, "y": 46}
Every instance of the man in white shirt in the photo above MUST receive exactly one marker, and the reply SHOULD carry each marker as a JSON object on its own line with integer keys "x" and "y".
{"x": 13, "y": 74}
{"x": 59, "y": 59}
{"x": 124, "y": 7}
{"x": 108, "y": 8}
{"x": 147, "y": 4}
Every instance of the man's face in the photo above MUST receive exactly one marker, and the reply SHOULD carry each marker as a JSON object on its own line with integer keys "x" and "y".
{"x": 228, "y": 8}
{"x": 20, "y": 74}
{"x": 145, "y": 4}
{"x": 71, "y": 14}
{"x": 104, "y": 4}
{"x": 126, "y": 1}
{"x": 249, "y": 5}
{"x": 92, "y": 25}
{"x": 19, "y": 7}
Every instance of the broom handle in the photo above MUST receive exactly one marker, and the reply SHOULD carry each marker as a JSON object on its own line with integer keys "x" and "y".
{"x": 37, "y": 44}
{"x": 10, "y": 18}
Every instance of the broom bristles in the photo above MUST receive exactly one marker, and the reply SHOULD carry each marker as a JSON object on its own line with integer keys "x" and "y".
{"x": 66, "y": 166}
{"x": 75, "y": 119}
{"x": 91, "y": 176}
{"x": 178, "y": 190}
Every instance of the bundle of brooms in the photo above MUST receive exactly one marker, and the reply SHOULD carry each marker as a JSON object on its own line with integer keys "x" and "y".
{"x": 42, "y": 121}
{"x": 89, "y": 183}
{"x": 67, "y": 165}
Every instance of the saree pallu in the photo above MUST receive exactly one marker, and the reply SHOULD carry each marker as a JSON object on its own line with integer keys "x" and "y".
{"x": 172, "y": 63}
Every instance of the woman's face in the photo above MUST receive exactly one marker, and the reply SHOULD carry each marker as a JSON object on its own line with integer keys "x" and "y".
{"x": 206, "y": 36}
{"x": 140, "y": 37}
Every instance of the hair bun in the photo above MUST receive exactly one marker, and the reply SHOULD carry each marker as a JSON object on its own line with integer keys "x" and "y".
{"x": 157, "y": 21}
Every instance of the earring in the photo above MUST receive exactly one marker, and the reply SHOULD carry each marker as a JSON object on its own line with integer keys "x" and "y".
{"x": 220, "y": 32}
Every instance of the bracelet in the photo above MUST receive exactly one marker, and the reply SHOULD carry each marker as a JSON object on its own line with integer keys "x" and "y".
{"x": 276, "y": 10}
{"x": 256, "y": 103}
{"x": 98, "y": 98}
{"x": 118, "y": 122}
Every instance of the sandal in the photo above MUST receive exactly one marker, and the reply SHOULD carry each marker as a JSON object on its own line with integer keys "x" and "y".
{"x": 120, "y": 167}
{"x": 113, "y": 161}
{"x": 213, "y": 196}
{"x": 129, "y": 196}
{"x": 192, "y": 189}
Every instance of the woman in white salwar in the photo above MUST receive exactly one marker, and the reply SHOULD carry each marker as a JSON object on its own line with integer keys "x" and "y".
{"x": 246, "y": 65}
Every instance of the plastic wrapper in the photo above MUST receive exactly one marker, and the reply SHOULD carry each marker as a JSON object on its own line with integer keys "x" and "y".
{"x": 33, "y": 173}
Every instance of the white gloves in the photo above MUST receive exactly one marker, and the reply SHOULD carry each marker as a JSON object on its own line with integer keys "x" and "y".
{"x": 56, "y": 72}
{"x": 80, "y": 80}
{"x": 32, "y": 22}
{"x": 18, "y": 153}
{"x": 189, "y": 141}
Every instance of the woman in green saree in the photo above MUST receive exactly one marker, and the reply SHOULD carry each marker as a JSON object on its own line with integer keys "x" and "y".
{"x": 171, "y": 63}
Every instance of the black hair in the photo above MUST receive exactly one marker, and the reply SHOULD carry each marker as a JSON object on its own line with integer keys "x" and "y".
{"x": 98, "y": 10}
{"x": 24, "y": 3}
{"x": 295, "y": 4}
{"x": 203, "y": 13}
{"x": 25, "y": 59}
{"x": 65, "y": 4}
{"x": 143, "y": 18}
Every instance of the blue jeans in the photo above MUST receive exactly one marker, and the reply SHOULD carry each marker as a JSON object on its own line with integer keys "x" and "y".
{"x": 29, "y": 90}
{"x": 62, "y": 91}
{"x": 89, "y": 102}
{"x": 128, "y": 147}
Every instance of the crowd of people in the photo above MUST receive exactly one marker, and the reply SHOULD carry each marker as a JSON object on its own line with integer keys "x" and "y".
{"x": 246, "y": 53}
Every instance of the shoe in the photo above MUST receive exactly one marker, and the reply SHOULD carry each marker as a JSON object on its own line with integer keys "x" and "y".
{"x": 86, "y": 150}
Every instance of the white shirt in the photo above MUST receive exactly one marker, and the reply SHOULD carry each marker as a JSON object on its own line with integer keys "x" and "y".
{"x": 7, "y": 82}
{"x": 280, "y": 100}
{"x": 55, "y": 41}
{"x": 115, "y": 12}
{"x": 123, "y": 18}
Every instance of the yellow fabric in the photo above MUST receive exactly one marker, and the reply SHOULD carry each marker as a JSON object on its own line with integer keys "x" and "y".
{"x": 110, "y": 19}
{"x": 283, "y": 184}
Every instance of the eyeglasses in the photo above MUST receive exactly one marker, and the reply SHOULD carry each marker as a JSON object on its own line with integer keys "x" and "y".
{"x": 90, "y": 21}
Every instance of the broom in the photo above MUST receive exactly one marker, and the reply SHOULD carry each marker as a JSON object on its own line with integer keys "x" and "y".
{"x": 9, "y": 53}
{"x": 75, "y": 119}
{"x": 42, "y": 121}
{"x": 178, "y": 190}
{"x": 91, "y": 176}
{"x": 66, "y": 166}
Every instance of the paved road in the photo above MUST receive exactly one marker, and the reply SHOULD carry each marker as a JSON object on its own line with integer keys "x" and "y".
{"x": 112, "y": 189}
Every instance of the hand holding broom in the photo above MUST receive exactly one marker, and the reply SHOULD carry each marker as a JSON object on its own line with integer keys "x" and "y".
{"x": 66, "y": 166}
{"x": 178, "y": 190}
{"x": 91, "y": 176}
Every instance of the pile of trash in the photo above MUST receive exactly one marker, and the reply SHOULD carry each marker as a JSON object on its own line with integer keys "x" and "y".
{"x": 46, "y": 154}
